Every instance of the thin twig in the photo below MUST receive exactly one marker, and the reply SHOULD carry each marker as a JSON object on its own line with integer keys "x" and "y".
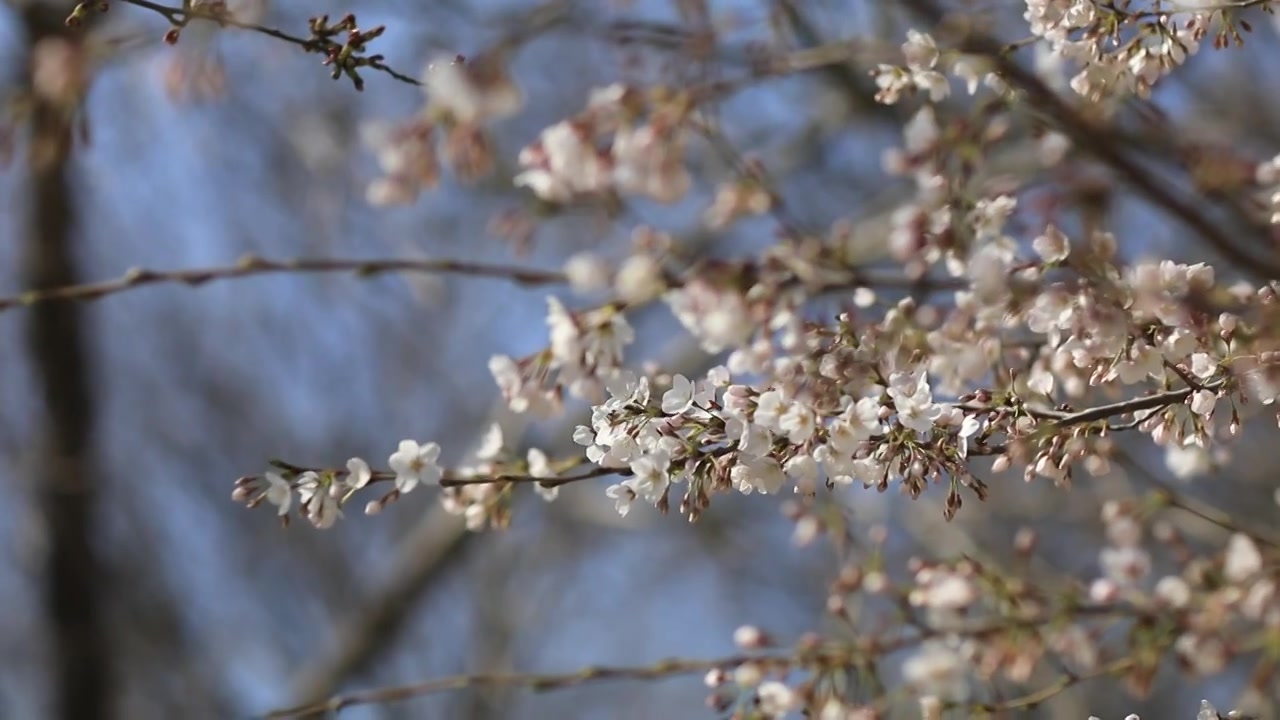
{"x": 1063, "y": 418}
{"x": 1170, "y": 496}
{"x": 1102, "y": 412}
{"x": 1063, "y": 683}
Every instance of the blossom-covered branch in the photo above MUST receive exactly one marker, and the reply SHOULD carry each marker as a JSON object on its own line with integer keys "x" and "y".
{"x": 480, "y": 491}
{"x": 973, "y": 626}
{"x": 749, "y": 673}
{"x": 800, "y": 399}
{"x": 1013, "y": 333}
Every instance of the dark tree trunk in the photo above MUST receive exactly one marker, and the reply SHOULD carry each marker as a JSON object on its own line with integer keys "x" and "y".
{"x": 64, "y": 471}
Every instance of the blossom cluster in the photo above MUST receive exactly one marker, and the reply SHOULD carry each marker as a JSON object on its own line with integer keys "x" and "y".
{"x": 479, "y": 491}
{"x": 462, "y": 95}
{"x": 623, "y": 143}
{"x": 856, "y": 401}
{"x": 486, "y": 504}
{"x": 322, "y": 494}
{"x": 1084, "y": 34}
{"x": 585, "y": 351}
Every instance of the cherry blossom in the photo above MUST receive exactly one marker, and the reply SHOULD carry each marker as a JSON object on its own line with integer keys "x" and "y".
{"x": 622, "y": 495}
{"x": 415, "y": 464}
{"x": 913, "y": 401}
{"x": 318, "y": 504}
{"x": 938, "y": 669}
{"x": 278, "y": 493}
{"x": 471, "y": 91}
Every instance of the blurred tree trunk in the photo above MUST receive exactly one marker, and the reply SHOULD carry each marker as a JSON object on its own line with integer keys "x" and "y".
{"x": 59, "y": 357}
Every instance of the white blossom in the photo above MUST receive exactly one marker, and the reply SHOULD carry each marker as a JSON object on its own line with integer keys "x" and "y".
{"x": 358, "y": 475}
{"x": 716, "y": 316}
{"x": 938, "y": 668}
{"x": 921, "y": 132}
{"x": 762, "y": 474}
{"x": 1052, "y": 245}
{"x": 913, "y": 401}
{"x": 857, "y": 423}
{"x": 798, "y": 423}
{"x": 278, "y": 493}
{"x": 415, "y": 464}
{"x": 562, "y": 164}
{"x": 680, "y": 397}
{"x": 471, "y": 91}
{"x": 319, "y": 506}
{"x": 650, "y": 478}
{"x": 776, "y": 699}
{"x": 648, "y": 162}
{"x": 1243, "y": 559}
{"x": 1187, "y": 461}
{"x": 639, "y": 279}
{"x": 622, "y": 495}
{"x": 540, "y": 467}
{"x": 587, "y": 272}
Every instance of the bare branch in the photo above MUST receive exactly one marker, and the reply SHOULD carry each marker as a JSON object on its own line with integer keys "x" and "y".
{"x": 250, "y": 265}
{"x": 542, "y": 681}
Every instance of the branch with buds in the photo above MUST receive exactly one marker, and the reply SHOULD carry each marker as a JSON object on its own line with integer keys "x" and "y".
{"x": 343, "y": 44}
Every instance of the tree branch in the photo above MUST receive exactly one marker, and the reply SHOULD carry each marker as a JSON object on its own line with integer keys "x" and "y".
{"x": 179, "y": 17}
{"x": 251, "y": 265}
{"x": 533, "y": 681}
{"x": 827, "y": 657}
